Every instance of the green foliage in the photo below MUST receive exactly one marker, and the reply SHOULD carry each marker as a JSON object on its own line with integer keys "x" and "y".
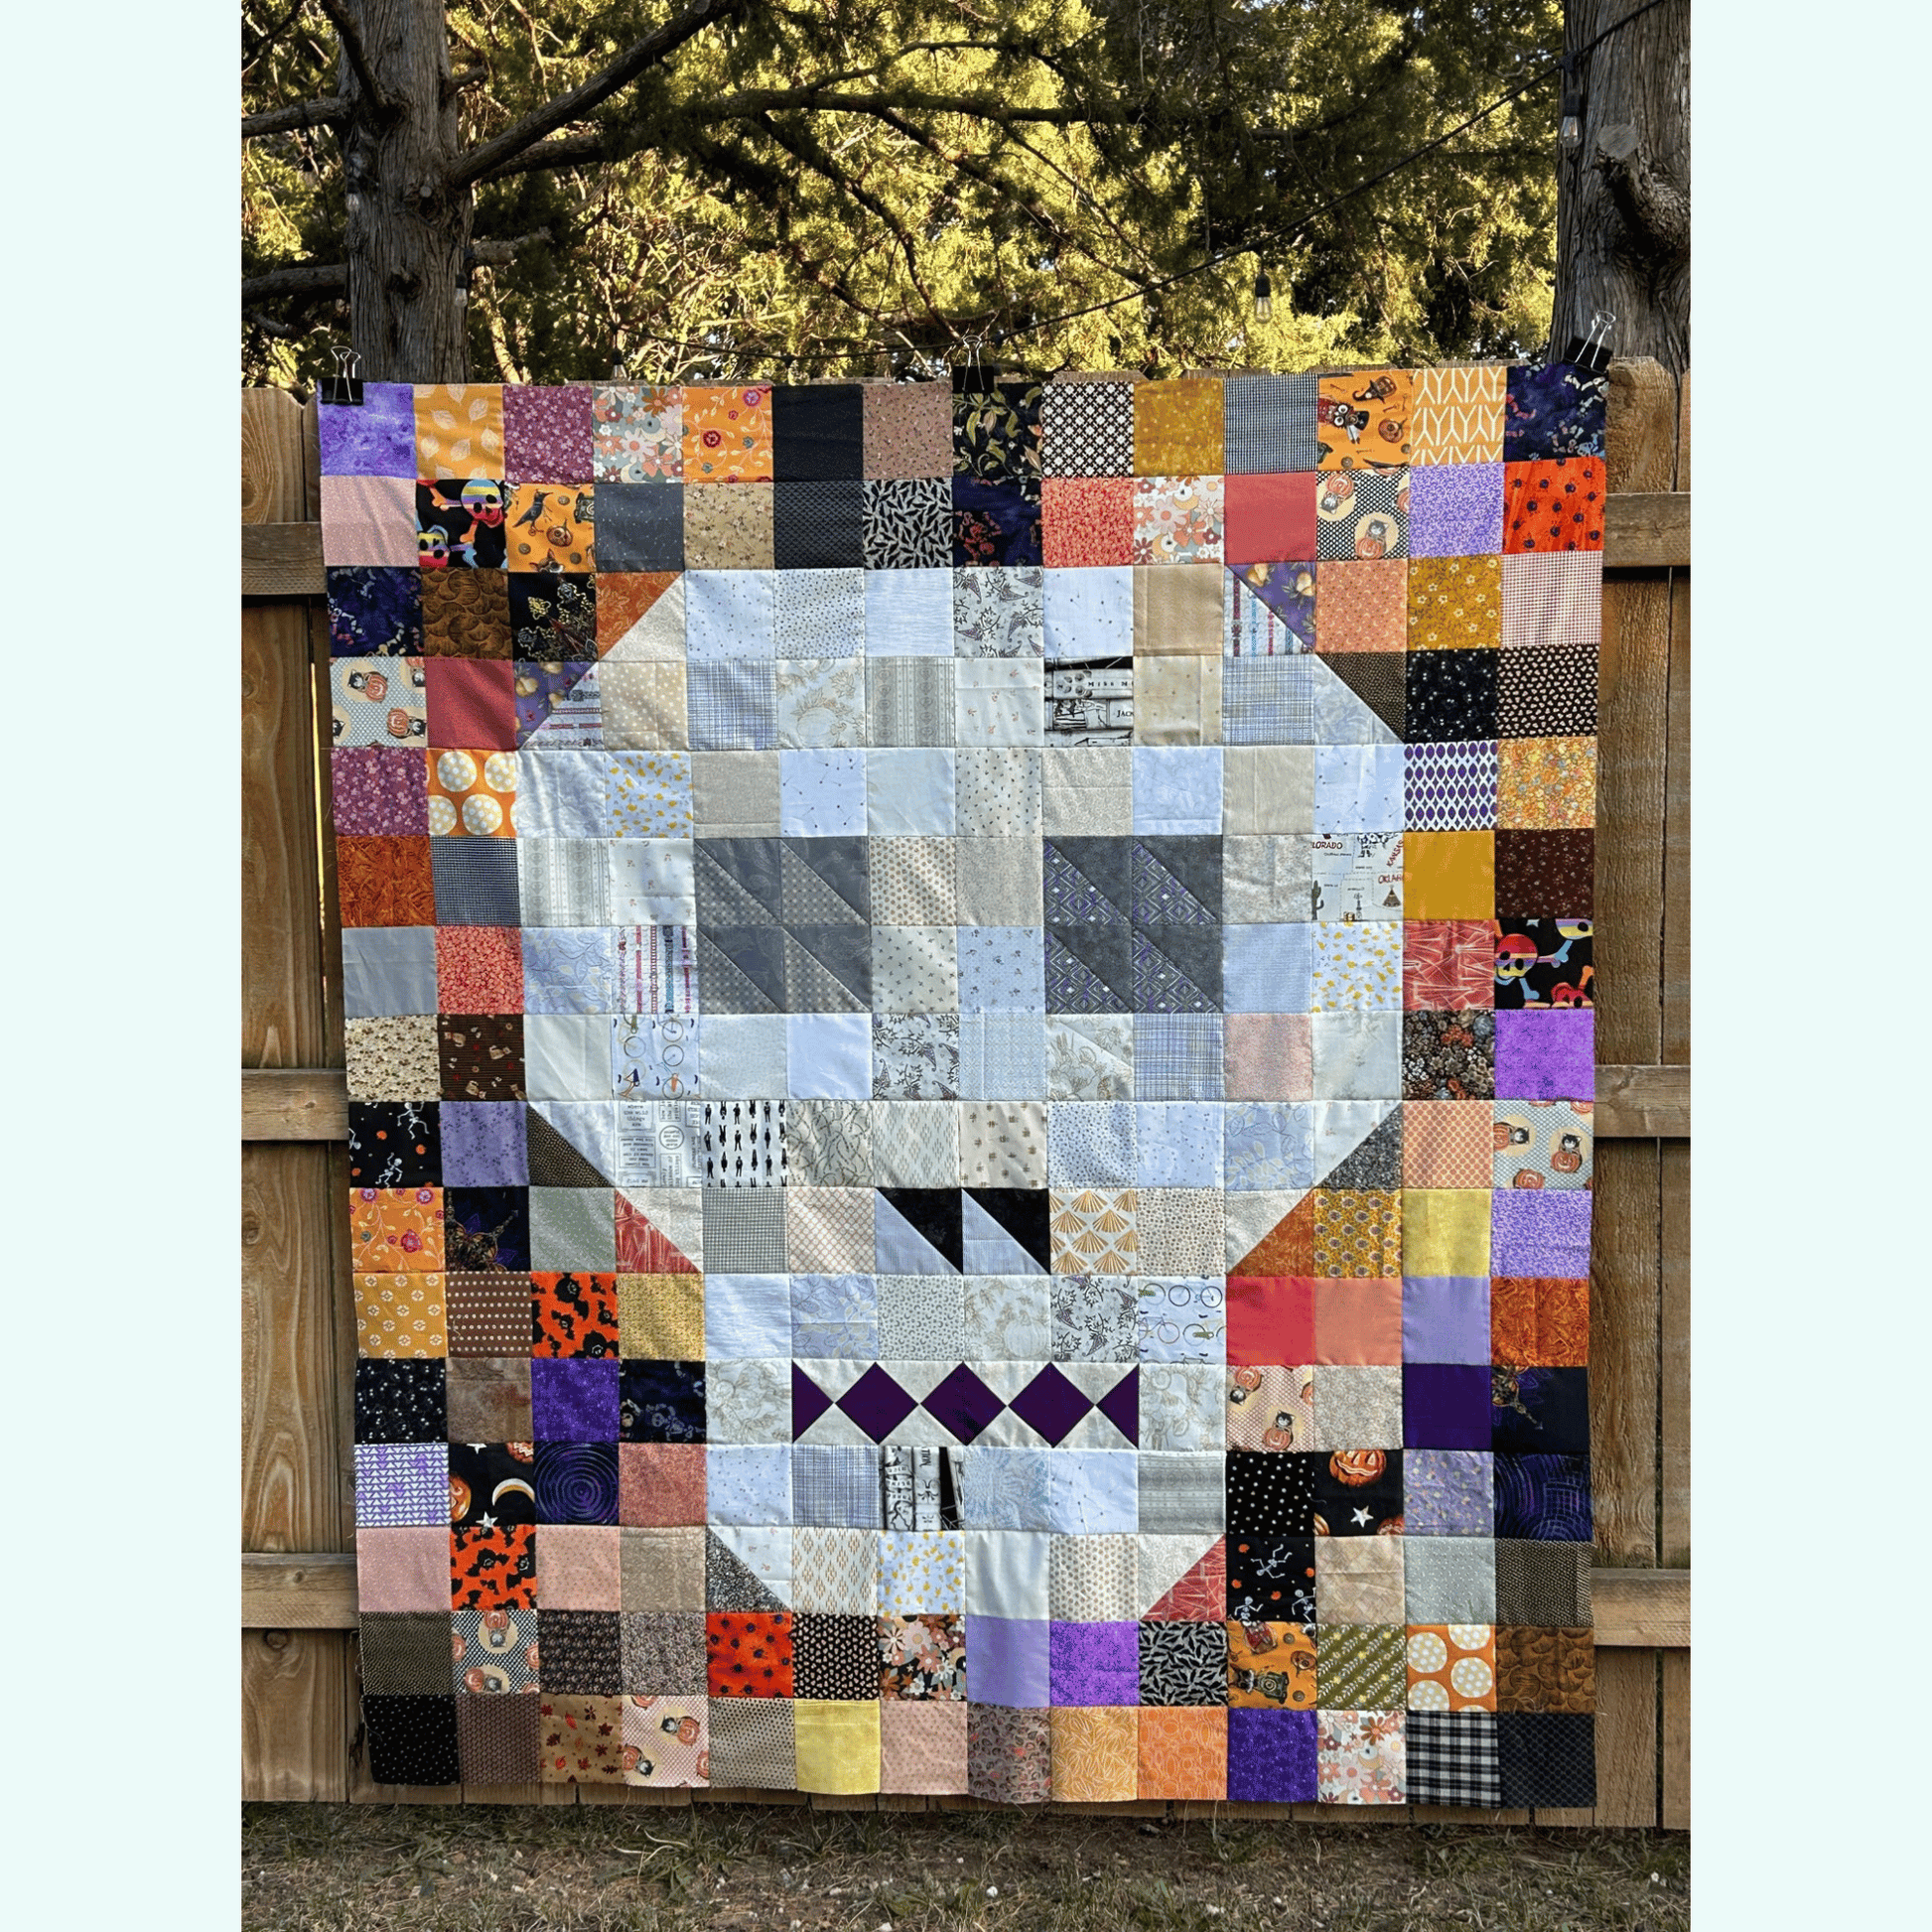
{"x": 996, "y": 162}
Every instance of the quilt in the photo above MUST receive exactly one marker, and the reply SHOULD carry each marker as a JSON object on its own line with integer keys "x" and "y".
{"x": 969, "y": 1049}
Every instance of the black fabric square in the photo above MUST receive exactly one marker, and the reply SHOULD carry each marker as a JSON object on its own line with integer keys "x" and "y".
{"x": 994, "y": 522}
{"x": 1451, "y": 695}
{"x": 411, "y": 1740}
{"x": 935, "y": 1213}
{"x": 553, "y": 617}
{"x": 1545, "y": 963}
{"x": 1448, "y": 1055}
{"x": 1089, "y": 969}
{"x": 394, "y": 1144}
{"x": 1545, "y": 1583}
{"x": 1541, "y": 1408}
{"x": 835, "y": 1657}
{"x": 1547, "y": 1758}
{"x": 480, "y": 1057}
{"x": 376, "y": 610}
{"x": 1357, "y": 1492}
{"x": 818, "y": 525}
{"x": 1183, "y": 1663}
{"x": 909, "y": 523}
{"x": 583, "y": 1651}
{"x": 1271, "y": 1579}
{"x": 1542, "y": 1497}
{"x": 406, "y": 1653}
{"x": 1270, "y": 1491}
{"x": 640, "y": 526}
{"x": 475, "y": 881}
{"x": 1547, "y": 692}
{"x": 817, "y": 432}
{"x": 487, "y": 1227}
{"x": 399, "y": 1402}
{"x": 491, "y": 1479}
{"x": 461, "y": 523}
{"x": 576, "y": 1482}
{"x": 1022, "y": 1212}
{"x": 661, "y": 1402}
{"x": 1452, "y": 1759}
{"x": 996, "y": 430}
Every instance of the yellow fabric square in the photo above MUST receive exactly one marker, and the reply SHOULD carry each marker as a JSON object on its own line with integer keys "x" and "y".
{"x": 1096, "y": 1753}
{"x": 1357, "y": 1235}
{"x": 1178, "y": 701}
{"x": 1455, "y": 604}
{"x": 1445, "y": 1231}
{"x": 1177, "y": 611}
{"x": 460, "y": 429}
{"x": 1449, "y": 876}
{"x": 400, "y": 1316}
{"x": 1177, "y": 428}
{"x": 1546, "y": 783}
{"x": 1456, "y": 415}
{"x": 552, "y": 527}
{"x": 838, "y": 1746}
{"x": 660, "y": 1317}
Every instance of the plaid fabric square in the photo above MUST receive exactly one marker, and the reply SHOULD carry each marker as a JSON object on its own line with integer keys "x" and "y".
{"x": 1177, "y": 1055}
{"x": 1454, "y": 1758}
{"x": 733, "y": 705}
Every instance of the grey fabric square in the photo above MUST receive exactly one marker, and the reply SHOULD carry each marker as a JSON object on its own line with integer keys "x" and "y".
{"x": 753, "y": 1744}
{"x": 1541, "y": 1583}
{"x": 836, "y": 1487}
{"x": 573, "y": 1228}
{"x": 744, "y": 1231}
{"x": 735, "y": 794}
{"x": 1268, "y": 423}
{"x": 999, "y": 881}
{"x": 910, "y": 700}
{"x": 564, "y": 882}
{"x": 828, "y": 1143}
{"x": 909, "y": 523}
{"x": 1450, "y": 1579}
{"x": 920, "y": 1318}
{"x": 388, "y": 969}
{"x": 663, "y": 1653}
{"x": 475, "y": 881}
{"x": 640, "y": 526}
{"x": 406, "y": 1653}
{"x": 1094, "y": 1319}
{"x": 1181, "y": 1492}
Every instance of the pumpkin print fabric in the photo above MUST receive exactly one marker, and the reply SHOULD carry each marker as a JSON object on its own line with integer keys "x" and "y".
{"x": 935, "y": 1207}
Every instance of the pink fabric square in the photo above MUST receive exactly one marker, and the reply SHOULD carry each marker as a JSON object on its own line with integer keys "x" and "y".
{"x": 1087, "y": 520}
{"x": 479, "y": 969}
{"x": 548, "y": 433}
{"x": 1270, "y": 519}
{"x": 923, "y": 1745}
{"x": 368, "y": 520}
{"x": 660, "y": 1485}
{"x": 1268, "y": 1057}
{"x": 402, "y": 1570}
{"x": 1359, "y": 1321}
{"x": 471, "y": 704}
{"x": 579, "y": 1568}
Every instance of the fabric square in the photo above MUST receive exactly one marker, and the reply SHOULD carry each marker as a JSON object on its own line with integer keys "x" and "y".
{"x": 1269, "y": 518}
{"x": 1554, "y": 506}
{"x": 1546, "y": 1758}
{"x": 907, "y": 429}
{"x": 1361, "y": 604}
{"x": 1178, "y": 520}
{"x": 1273, "y": 1756}
{"x": 1361, "y": 1757}
{"x": 994, "y": 522}
{"x": 1363, "y": 514}
{"x": 661, "y": 1484}
{"x": 1553, "y": 409}
{"x": 908, "y": 529}
{"x": 1086, "y": 428}
{"x": 1455, "y": 510}
{"x": 1448, "y": 1492}
{"x": 377, "y": 611}
{"x": 1553, "y": 602}
{"x": 1538, "y": 1323}
{"x": 1087, "y": 521}
{"x": 818, "y": 525}
{"x": 1456, "y": 414}
{"x": 1450, "y": 1580}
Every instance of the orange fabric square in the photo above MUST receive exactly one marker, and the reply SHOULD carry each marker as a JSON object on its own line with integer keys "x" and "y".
{"x": 479, "y": 969}
{"x": 1096, "y": 1749}
{"x": 748, "y": 1655}
{"x": 1177, "y": 428}
{"x": 1447, "y": 965}
{"x": 460, "y": 429}
{"x": 1363, "y": 420}
{"x": 495, "y": 1568}
{"x": 1452, "y": 1667}
{"x": 1361, "y": 606}
{"x": 396, "y": 1230}
{"x": 1271, "y": 1666}
{"x": 1183, "y": 1753}
{"x": 1553, "y": 506}
{"x": 1449, "y": 874}
{"x": 384, "y": 882}
{"x": 574, "y": 1314}
{"x": 550, "y": 527}
{"x": 1546, "y": 783}
{"x": 1288, "y": 1248}
{"x": 1538, "y": 1323}
{"x": 624, "y": 596}
{"x": 1087, "y": 520}
{"x": 728, "y": 435}
{"x": 1448, "y": 1142}
{"x": 660, "y": 1485}
{"x": 1357, "y": 1321}
{"x": 472, "y": 793}
{"x": 1271, "y": 1320}
{"x": 1269, "y": 519}
{"x": 1357, "y": 1233}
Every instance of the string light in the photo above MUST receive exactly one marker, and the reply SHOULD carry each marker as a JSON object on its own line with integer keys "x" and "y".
{"x": 1264, "y": 297}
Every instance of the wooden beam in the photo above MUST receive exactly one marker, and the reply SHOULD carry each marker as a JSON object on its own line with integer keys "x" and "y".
{"x": 1641, "y": 531}
{"x": 1637, "y": 1610}
{"x": 311, "y": 1103}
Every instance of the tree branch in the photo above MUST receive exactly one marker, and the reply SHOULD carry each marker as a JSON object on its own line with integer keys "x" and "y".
{"x": 350, "y": 36}
{"x": 1656, "y": 212}
{"x": 490, "y": 156}
{"x": 495, "y": 253}
{"x": 304, "y": 278}
{"x": 329, "y": 112}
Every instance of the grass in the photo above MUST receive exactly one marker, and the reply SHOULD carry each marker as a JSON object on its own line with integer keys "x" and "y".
{"x": 761, "y": 1869}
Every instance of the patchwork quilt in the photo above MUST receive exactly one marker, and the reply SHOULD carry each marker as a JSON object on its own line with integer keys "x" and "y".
{"x": 969, "y": 1044}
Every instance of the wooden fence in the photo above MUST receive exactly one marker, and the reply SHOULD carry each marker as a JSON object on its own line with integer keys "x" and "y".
{"x": 301, "y": 1726}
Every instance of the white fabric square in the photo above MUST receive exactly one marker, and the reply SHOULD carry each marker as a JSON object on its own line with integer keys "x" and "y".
{"x": 829, "y": 1054}
{"x": 728, "y": 614}
{"x": 746, "y": 1316}
{"x": 909, "y": 613}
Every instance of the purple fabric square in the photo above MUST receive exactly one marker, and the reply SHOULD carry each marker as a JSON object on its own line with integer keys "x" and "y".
{"x": 1445, "y": 1405}
{"x": 483, "y": 1144}
{"x": 1540, "y": 1232}
{"x": 1448, "y": 1492}
{"x": 1543, "y": 1498}
{"x": 962, "y": 1402}
{"x": 1007, "y": 1657}
{"x": 378, "y": 439}
{"x": 547, "y": 432}
{"x": 380, "y": 792}
{"x": 1445, "y": 1318}
{"x": 1095, "y": 1663}
{"x": 877, "y": 1403}
{"x": 1546, "y": 1056}
{"x": 401, "y": 1484}
{"x": 1456, "y": 510}
{"x": 1271, "y": 1754}
{"x": 574, "y": 1400}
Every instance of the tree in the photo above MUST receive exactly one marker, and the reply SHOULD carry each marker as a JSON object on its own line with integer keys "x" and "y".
{"x": 714, "y": 187}
{"x": 1623, "y": 203}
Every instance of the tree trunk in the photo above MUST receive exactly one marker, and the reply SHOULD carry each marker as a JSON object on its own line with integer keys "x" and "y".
{"x": 1624, "y": 195}
{"x": 408, "y": 234}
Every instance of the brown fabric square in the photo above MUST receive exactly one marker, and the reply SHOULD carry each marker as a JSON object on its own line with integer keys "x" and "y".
{"x": 908, "y": 429}
{"x": 1546, "y": 875}
{"x": 466, "y": 614}
{"x": 660, "y": 1485}
{"x": 406, "y": 1653}
{"x": 489, "y": 1399}
{"x": 1541, "y": 1583}
{"x": 488, "y": 1315}
{"x": 1540, "y": 1667}
{"x": 497, "y": 1738}
{"x": 1378, "y": 678}
{"x": 482, "y": 1056}
{"x": 384, "y": 882}
{"x": 582, "y": 1653}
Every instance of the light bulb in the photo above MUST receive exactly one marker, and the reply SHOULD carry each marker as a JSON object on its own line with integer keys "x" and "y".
{"x": 1569, "y": 134}
{"x": 1263, "y": 298}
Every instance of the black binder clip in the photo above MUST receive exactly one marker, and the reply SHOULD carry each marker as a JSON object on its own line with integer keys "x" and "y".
{"x": 343, "y": 389}
{"x": 1592, "y": 352}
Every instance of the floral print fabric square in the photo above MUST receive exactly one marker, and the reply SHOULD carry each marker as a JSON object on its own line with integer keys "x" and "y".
{"x": 969, "y": 1020}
